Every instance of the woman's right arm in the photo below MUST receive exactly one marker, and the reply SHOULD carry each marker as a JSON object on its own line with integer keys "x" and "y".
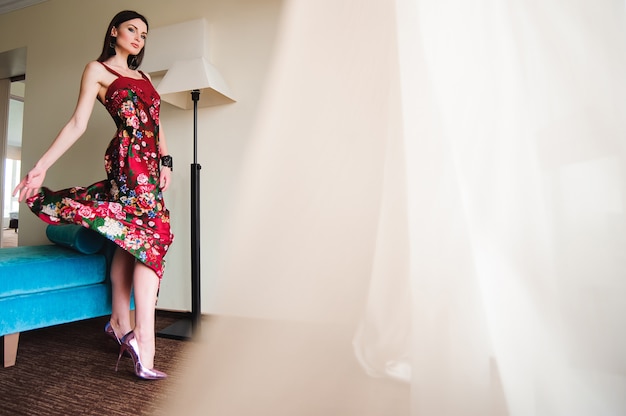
{"x": 89, "y": 87}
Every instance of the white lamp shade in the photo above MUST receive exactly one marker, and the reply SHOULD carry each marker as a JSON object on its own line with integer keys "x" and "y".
{"x": 194, "y": 74}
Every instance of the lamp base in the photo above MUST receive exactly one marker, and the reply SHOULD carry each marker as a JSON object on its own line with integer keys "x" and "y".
{"x": 181, "y": 330}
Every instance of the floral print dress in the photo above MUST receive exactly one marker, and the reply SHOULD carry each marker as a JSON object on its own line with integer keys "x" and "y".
{"x": 128, "y": 206}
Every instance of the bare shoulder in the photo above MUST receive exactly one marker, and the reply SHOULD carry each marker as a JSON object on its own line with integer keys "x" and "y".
{"x": 96, "y": 73}
{"x": 94, "y": 68}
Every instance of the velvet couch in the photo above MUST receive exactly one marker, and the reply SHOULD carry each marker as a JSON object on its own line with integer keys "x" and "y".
{"x": 53, "y": 284}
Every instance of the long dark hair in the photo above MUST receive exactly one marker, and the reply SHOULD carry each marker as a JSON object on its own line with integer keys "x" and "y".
{"x": 108, "y": 49}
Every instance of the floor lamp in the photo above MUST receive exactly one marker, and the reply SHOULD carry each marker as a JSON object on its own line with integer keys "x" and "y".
{"x": 193, "y": 83}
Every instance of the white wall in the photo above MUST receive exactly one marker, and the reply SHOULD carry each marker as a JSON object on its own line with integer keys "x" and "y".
{"x": 61, "y": 36}
{"x": 291, "y": 173}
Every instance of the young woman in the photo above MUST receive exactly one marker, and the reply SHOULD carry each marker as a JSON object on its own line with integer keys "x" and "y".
{"x": 128, "y": 206}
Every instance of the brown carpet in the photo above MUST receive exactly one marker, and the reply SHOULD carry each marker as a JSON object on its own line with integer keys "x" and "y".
{"x": 70, "y": 370}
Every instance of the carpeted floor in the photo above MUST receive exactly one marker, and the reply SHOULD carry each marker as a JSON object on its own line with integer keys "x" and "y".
{"x": 70, "y": 370}
{"x": 242, "y": 367}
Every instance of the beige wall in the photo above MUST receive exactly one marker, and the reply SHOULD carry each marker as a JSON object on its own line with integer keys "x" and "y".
{"x": 61, "y": 36}
{"x": 291, "y": 173}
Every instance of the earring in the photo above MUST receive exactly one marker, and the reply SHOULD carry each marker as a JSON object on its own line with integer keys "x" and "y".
{"x": 112, "y": 45}
{"x": 133, "y": 62}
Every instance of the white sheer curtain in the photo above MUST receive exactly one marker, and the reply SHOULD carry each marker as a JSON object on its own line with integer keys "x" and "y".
{"x": 514, "y": 124}
{"x": 454, "y": 169}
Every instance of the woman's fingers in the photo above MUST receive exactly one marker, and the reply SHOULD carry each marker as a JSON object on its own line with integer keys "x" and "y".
{"x": 28, "y": 186}
{"x": 164, "y": 180}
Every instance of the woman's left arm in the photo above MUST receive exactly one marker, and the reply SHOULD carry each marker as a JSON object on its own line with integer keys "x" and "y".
{"x": 165, "y": 177}
{"x": 166, "y": 173}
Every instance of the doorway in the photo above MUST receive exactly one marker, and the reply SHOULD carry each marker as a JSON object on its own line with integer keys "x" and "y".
{"x": 12, "y": 162}
{"x": 12, "y": 94}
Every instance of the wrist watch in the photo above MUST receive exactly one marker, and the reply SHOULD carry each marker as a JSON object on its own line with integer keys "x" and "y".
{"x": 167, "y": 161}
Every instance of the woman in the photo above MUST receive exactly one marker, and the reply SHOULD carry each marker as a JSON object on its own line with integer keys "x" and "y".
{"x": 128, "y": 207}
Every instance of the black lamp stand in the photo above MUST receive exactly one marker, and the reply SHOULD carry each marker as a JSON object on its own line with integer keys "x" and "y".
{"x": 185, "y": 328}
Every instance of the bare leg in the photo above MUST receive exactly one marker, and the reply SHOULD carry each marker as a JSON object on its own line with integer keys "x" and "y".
{"x": 122, "y": 268}
{"x": 146, "y": 285}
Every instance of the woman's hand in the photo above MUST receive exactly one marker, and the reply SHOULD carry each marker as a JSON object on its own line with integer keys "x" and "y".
{"x": 31, "y": 183}
{"x": 165, "y": 178}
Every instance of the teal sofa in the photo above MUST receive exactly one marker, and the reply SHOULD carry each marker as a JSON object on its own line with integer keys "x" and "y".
{"x": 53, "y": 284}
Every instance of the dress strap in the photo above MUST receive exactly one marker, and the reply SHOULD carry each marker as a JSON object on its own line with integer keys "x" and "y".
{"x": 144, "y": 76}
{"x": 110, "y": 69}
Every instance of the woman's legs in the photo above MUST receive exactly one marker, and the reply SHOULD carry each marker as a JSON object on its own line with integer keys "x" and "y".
{"x": 126, "y": 272}
{"x": 146, "y": 286}
{"x": 122, "y": 267}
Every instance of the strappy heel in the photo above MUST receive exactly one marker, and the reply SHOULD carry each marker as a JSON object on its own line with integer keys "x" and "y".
{"x": 129, "y": 344}
{"x": 108, "y": 330}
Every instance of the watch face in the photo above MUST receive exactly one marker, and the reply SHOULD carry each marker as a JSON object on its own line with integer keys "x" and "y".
{"x": 166, "y": 161}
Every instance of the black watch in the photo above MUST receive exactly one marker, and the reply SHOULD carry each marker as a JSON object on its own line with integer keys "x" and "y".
{"x": 167, "y": 161}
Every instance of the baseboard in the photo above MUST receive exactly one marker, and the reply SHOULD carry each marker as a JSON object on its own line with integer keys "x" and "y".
{"x": 168, "y": 313}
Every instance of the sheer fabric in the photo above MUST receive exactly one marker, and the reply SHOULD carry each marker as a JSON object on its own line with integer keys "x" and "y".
{"x": 514, "y": 126}
{"x": 444, "y": 180}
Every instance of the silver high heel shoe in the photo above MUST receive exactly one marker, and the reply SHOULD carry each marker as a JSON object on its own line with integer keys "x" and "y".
{"x": 129, "y": 344}
{"x": 108, "y": 329}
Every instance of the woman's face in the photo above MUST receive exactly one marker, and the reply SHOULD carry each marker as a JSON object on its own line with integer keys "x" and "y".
{"x": 131, "y": 35}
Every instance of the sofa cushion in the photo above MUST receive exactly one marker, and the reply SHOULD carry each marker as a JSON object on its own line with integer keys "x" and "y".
{"x": 31, "y": 269}
{"x": 76, "y": 237}
{"x": 39, "y": 310}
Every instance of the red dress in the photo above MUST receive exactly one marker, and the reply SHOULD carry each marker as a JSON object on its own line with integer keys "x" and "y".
{"x": 128, "y": 206}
